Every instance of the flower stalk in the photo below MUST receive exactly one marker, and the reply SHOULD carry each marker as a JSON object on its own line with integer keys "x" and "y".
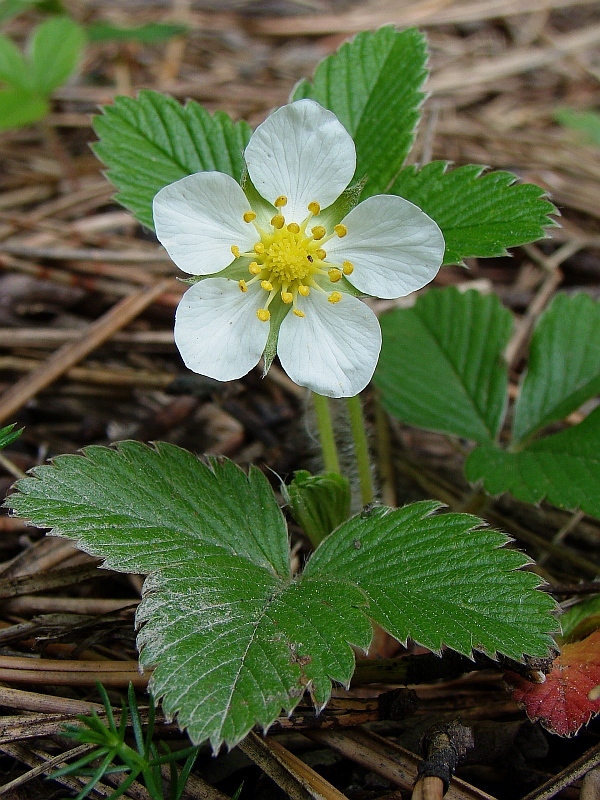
{"x": 331, "y": 460}
{"x": 361, "y": 448}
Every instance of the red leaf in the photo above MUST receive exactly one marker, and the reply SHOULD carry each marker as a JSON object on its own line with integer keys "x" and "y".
{"x": 562, "y": 703}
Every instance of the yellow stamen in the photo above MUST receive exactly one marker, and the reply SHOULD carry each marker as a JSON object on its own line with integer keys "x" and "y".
{"x": 243, "y": 286}
{"x": 341, "y": 230}
{"x": 318, "y": 232}
{"x": 254, "y": 269}
{"x": 235, "y": 250}
{"x": 299, "y": 313}
{"x": 304, "y": 290}
{"x": 314, "y": 208}
{"x": 335, "y": 297}
{"x": 278, "y": 221}
{"x": 267, "y": 286}
{"x": 293, "y": 227}
{"x": 335, "y": 275}
{"x": 287, "y": 297}
{"x": 259, "y": 248}
{"x": 249, "y": 216}
{"x": 348, "y": 268}
{"x": 263, "y": 314}
{"x": 281, "y": 201}
{"x": 320, "y": 253}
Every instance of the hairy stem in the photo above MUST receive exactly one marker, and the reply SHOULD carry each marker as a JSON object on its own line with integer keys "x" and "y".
{"x": 361, "y": 448}
{"x": 328, "y": 447}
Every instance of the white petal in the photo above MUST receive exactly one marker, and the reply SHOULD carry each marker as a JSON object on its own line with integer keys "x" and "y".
{"x": 217, "y": 331}
{"x": 394, "y": 246}
{"x": 304, "y": 152}
{"x": 199, "y": 218}
{"x": 333, "y": 349}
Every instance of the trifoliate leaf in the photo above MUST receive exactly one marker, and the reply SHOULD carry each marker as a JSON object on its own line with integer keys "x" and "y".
{"x": 55, "y": 49}
{"x": 479, "y": 215}
{"x": 564, "y": 364}
{"x": 319, "y": 503}
{"x": 563, "y": 702}
{"x": 439, "y": 580}
{"x": 153, "y": 140}
{"x": 563, "y": 468}
{"x": 441, "y": 364}
{"x": 373, "y": 85}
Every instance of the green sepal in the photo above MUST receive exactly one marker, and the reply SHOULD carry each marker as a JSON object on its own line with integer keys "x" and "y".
{"x": 8, "y": 435}
{"x": 318, "y": 503}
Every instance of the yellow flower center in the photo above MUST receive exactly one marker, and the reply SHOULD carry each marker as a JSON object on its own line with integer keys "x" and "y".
{"x": 287, "y": 260}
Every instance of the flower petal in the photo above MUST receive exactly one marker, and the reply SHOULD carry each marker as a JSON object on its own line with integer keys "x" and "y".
{"x": 217, "y": 331}
{"x": 395, "y": 247}
{"x": 334, "y": 348}
{"x": 304, "y": 152}
{"x": 199, "y": 218}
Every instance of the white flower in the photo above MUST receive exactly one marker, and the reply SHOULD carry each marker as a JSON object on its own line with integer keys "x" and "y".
{"x": 291, "y": 256}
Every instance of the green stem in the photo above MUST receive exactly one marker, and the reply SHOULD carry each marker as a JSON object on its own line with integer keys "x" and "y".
{"x": 328, "y": 447}
{"x": 361, "y": 448}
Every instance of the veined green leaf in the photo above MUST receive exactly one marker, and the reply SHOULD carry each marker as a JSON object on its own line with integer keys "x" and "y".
{"x": 233, "y": 637}
{"x": 373, "y": 85}
{"x": 479, "y": 215}
{"x": 153, "y": 140}
{"x": 581, "y": 618}
{"x": 563, "y": 468}
{"x": 564, "y": 364}
{"x": 441, "y": 365}
{"x": 439, "y": 580}
{"x": 55, "y": 50}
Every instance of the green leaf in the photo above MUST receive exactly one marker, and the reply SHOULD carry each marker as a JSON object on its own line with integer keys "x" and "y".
{"x": 563, "y": 468}
{"x": 14, "y": 70}
{"x": 439, "y": 580}
{"x": 586, "y": 123}
{"x": 20, "y": 107}
{"x": 55, "y": 50}
{"x": 152, "y": 141}
{"x": 564, "y": 364}
{"x": 232, "y": 636}
{"x": 441, "y": 365}
{"x": 479, "y": 215}
{"x": 150, "y": 33}
{"x": 8, "y": 435}
{"x": 373, "y": 85}
{"x": 319, "y": 503}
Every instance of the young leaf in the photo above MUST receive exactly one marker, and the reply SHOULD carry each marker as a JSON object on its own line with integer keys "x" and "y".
{"x": 562, "y": 703}
{"x": 55, "y": 50}
{"x": 439, "y": 580}
{"x": 318, "y": 503}
{"x": 563, "y": 468}
{"x": 152, "y": 141}
{"x": 20, "y": 107}
{"x": 441, "y": 364}
{"x": 373, "y": 85}
{"x": 233, "y": 637}
{"x": 14, "y": 70}
{"x": 479, "y": 215}
{"x": 564, "y": 364}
